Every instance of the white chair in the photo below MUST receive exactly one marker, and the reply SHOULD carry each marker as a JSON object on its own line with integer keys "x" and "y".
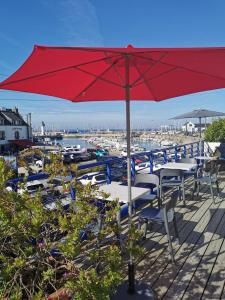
{"x": 172, "y": 178}
{"x": 209, "y": 176}
{"x": 192, "y": 172}
{"x": 150, "y": 181}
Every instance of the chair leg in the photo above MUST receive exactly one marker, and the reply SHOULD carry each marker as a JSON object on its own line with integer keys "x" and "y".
{"x": 179, "y": 193}
{"x": 198, "y": 188}
{"x": 218, "y": 189}
{"x": 195, "y": 186}
{"x": 145, "y": 228}
{"x": 139, "y": 224}
{"x": 183, "y": 195}
{"x": 169, "y": 241}
{"x": 175, "y": 228}
{"x": 211, "y": 190}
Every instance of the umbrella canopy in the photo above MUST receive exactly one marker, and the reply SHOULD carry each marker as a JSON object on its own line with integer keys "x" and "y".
{"x": 200, "y": 113}
{"x": 99, "y": 74}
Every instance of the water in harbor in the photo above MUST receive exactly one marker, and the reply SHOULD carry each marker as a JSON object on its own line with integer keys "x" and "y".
{"x": 149, "y": 145}
{"x": 74, "y": 142}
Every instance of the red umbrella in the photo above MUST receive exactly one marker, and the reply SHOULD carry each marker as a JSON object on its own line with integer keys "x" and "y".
{"x": 100, "y": 74}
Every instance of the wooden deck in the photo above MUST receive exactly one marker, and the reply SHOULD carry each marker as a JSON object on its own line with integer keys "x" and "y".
{"x": 199, "y": 272}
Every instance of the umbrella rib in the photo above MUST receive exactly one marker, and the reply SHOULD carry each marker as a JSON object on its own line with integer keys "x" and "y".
{"x": 161, "y": 74}
{"x": 99, "y": 77}
{"x": 118, "y": 74}
{"x": 143, "y": 78}
{"x": 93, "y": 82}
{"x": 54, "y": 71}
{"x": 155, "y": 63}
{"x": 181, "y": 67}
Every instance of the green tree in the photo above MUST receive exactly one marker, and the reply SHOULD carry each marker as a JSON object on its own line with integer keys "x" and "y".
{"x": 216, "y": 132}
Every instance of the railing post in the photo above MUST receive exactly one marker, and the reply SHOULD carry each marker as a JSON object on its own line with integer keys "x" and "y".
{"x": 151, "y": 162}
{"x": 175, "y": 154}
{"x": 108, "y": 173}
{"x": 202, "y": 148}
{"x": 73, "y": 197}
{"x": 192, "y": 151}
{"x": 132, "y": 169}
{"x": 197, "y": 148}
{"x": 165, "y": 156}
{"x": 185, "y": 151}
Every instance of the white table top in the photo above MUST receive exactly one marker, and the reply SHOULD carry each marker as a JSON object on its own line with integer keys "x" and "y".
{"x": 205, "y": 157}
{"x": 120, "y": 192}
{"x": 179, "y": 166}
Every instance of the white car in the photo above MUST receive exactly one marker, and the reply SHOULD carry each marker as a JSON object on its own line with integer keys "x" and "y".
{"x": 142, "y": 165}
{"x": 32, "y": 187}
{"x": 93, "y": 178}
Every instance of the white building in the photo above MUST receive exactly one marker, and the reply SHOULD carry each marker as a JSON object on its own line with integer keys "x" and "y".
{"x": 191, "y": 127}
{"x": 14, "y": 131}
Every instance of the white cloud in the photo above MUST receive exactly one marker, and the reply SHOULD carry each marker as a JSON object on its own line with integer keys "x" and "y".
{"x": 79, "y": 21}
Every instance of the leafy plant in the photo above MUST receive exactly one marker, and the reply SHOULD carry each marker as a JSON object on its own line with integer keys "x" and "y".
{"x": 42, "y": 251}
{"x": 216, "y": 131}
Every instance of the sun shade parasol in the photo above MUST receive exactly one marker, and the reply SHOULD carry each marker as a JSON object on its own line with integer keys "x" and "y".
{"x": 101, "y": 74}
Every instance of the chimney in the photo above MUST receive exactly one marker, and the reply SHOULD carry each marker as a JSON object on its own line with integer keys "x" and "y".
{"x": 15, "y": 110}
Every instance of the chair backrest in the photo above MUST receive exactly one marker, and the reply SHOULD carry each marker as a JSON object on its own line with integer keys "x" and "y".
{"x": 187, "y": 160}
{"x": 170, "y": 172}
{"x": 146, "y": 178}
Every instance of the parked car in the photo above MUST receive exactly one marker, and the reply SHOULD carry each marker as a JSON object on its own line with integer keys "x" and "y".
{"x": 92, "y": 152}
{"x": 78, "y": 157}
{"x": 93, "y": 178}
{"x": 102, "y": 152}
{"x": 142, "y": 165}
{"x": 32, "y": 187}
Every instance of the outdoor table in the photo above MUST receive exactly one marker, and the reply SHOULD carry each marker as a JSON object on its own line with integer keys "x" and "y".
{"x": 205, "y": 157}
{"x": 179, "y": 166}
{"x": 120, "y": 192}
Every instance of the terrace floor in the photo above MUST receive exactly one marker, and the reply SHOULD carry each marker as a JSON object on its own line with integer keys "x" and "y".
{"x": 199, "y": 272}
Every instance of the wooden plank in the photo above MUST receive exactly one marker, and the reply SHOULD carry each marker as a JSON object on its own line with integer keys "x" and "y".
{"x": 202, "y": 273}
{"x": 207, "y": 226}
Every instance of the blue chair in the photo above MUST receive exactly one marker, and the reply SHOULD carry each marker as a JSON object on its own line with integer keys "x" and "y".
{"x": 163, "y": 215}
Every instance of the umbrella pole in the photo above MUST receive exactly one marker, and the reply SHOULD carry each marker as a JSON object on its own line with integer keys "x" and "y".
{"x": 200, "y": 135}
{"x": 131, "y": 273}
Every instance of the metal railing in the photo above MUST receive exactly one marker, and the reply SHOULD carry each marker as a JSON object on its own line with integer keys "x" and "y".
{"x": 160, "y": 155}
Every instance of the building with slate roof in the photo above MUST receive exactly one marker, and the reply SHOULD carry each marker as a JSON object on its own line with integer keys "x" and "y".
{"x": 14, "y": 131}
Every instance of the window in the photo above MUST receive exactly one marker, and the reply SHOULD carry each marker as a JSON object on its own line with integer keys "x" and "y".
{"x": 17, "y": 135}
{"x": 2, "y": 135}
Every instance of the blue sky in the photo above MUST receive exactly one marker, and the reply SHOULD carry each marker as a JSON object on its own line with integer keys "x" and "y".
{"x": 143, "y": 23}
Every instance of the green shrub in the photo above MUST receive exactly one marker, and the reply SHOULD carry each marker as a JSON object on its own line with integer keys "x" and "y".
{"x": 216, "y": 131}
{"x": 90, "y": 269}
